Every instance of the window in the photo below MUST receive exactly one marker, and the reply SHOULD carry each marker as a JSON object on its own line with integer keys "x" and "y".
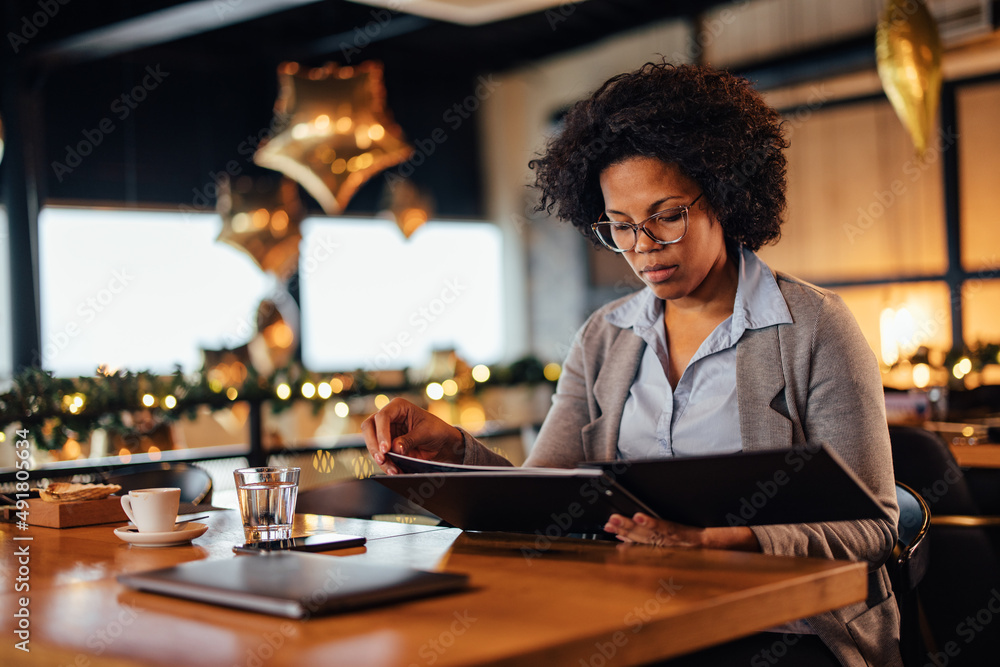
{"x": 375, "y": 300}
{"x": 140, "y": 290}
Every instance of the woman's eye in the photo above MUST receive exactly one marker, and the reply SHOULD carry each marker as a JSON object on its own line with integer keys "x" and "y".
{"x": 621, "y": 226}
{"x": 673, "y": 216}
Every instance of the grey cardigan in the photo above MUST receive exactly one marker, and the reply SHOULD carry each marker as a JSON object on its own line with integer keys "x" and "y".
{"x": 813, "y": 380}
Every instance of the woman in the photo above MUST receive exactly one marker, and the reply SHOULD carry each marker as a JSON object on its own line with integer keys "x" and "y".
{"x": 681, "y": 171}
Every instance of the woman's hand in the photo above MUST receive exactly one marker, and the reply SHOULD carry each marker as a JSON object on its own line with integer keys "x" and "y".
{"x": 404, "y": 428}
{"x": 644, "y": 529}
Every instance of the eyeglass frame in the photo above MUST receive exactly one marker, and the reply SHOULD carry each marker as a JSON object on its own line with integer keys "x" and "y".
{"x": 636, "y": 228}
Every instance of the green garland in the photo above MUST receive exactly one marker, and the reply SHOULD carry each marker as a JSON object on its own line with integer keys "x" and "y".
{"x": 54, "y": 410}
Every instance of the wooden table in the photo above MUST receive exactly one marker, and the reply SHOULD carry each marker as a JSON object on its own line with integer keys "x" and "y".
{"x": 976, "y": 456}
{"x": 577, "y": 601}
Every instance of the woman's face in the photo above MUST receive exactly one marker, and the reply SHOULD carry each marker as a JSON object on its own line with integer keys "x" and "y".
{"x": 638, "y": 187}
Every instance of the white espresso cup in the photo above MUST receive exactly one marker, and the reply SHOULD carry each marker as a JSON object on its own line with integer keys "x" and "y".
{"x": 152, "y": 510}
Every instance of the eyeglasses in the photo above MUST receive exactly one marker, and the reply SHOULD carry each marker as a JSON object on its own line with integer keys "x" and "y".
{"x": 666, "y": 227}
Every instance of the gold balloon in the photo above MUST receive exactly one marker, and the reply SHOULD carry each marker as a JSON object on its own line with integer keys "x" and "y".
{"x": 908, "y": 52}
{"x": 406, "y": 204}
{"x": 339, "y": 133}
{"x": 261, "y": 217}
{"x": 277, "y": 334}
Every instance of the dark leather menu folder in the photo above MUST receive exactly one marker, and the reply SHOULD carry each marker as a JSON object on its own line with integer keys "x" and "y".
{"x": 804, "y": 484}
{"x": 799, "y": 485}
{"x": 293, "y": 584}
{"x": 547, "y": 501}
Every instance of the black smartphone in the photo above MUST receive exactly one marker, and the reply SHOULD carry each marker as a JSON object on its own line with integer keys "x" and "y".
{"x": 320, "y": 542}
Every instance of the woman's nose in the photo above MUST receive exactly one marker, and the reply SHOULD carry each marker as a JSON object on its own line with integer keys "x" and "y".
{"x": 643, "y": 243}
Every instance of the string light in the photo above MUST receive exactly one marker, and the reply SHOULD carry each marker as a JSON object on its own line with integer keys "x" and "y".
{"x": 480, "y": 373}
{"x": 552, "y": 371}
{"x": 435, "y": 391}
{"x": 231, "y": 393}
{"x": 472, "y": 418}
{"x": 341, "y": 409}
{"x": 169, "y": 402}
{"x": 325, "y": 390}
{"x": 308, "y": 389}
{"x": 921, "y": 375}
{"x": 381, "y": 401}
{"x": 284, "y": 392}
{"x": 148, "y": 400}
{"x": 449, "y": 387}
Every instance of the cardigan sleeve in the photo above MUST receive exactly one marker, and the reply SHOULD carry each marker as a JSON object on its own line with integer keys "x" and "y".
{"x": 844, "y": 407}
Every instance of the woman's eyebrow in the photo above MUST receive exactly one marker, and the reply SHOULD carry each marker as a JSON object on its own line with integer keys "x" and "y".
{"x": 654, "y": 207}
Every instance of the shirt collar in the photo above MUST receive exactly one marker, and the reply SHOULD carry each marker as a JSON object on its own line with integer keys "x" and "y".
{"x": 758, "y": 302}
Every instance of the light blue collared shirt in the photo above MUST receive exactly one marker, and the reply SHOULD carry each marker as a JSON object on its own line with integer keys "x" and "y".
{"x": 701, "y": 415}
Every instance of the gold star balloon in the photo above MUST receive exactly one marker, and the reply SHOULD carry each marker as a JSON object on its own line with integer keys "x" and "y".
{"x": 339, "y": 132}
{"x": 406, "y": 204}
{"x": 261, "y": 217}
{"x": 908, "y": 54}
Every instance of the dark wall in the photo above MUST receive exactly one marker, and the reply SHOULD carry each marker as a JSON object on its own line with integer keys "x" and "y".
{"x": 159, "y": 130}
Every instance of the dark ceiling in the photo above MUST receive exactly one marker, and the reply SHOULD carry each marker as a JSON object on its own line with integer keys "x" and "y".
{"x": 67, "y": 64}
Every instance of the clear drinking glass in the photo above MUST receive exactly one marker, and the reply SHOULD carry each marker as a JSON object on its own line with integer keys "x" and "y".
{"x": 267, "y": 501}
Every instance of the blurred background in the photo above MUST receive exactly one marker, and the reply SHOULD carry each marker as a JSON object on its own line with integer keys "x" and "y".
{"x": 249, "y": 223}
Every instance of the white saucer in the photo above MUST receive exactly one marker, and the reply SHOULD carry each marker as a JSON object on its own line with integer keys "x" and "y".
{"x": 167, "y": 539}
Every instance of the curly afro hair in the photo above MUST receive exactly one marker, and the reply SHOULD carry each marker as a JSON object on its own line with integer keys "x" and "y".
{"x": 710, "y": 123}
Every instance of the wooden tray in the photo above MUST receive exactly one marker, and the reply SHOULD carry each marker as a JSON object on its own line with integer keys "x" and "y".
{"x": 79, "y": 513}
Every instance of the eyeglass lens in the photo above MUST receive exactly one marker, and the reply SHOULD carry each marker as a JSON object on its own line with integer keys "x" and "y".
{"x": 664, "y": 227}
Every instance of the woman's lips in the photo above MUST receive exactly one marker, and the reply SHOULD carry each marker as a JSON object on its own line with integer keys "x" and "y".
{"x": 658, "y": 273}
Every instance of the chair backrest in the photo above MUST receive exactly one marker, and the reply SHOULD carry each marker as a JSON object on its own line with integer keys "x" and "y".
{"x": 907, "y": 568}
{"x": 359, "y": 498}
{"x": 194, "y": 482}
{"x": 923, "y": 462}
{"x": 910, "y": 553}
